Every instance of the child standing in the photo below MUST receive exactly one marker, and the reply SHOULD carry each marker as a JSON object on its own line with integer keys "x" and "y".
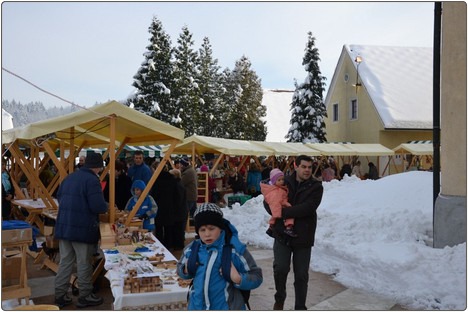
{"x": 276, "y": 196}
{"x": 148, "y": 208}
{"x": 211, "y": 289}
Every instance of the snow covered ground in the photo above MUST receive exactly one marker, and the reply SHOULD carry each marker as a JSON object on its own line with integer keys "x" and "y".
{"x": 376, "y": 236}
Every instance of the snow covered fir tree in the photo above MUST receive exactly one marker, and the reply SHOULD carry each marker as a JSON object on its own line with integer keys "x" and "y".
{"x": 308, "y": 110}
{"x": 211, "y": 88}
{"x": 244, "y": 97}
{"x": 153, "y": 80}
{"x": 185, "y": 88}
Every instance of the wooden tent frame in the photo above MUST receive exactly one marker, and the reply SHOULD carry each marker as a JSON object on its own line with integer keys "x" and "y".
{"x": 133, "y": 122}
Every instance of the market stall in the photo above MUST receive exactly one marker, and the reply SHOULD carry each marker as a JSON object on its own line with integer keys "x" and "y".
{"x": 419, "y": 151}
{"x": 111, "y": 126}
{"x": 143, "y": 276}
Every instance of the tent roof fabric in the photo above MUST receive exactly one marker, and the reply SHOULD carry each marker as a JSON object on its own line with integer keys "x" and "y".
{"x": 332, "y": 149}
{"x": 289, "y": 149}
{"x": 203, "y": 144}
{"x": 230, "y": 147}
{"x": 370, "y": 149}
{"x": 92, "y": 128}
{"x": 415, "y": 148}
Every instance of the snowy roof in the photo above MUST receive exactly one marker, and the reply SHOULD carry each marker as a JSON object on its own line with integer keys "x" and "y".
{"x": 278, "y": 103}
{"x": 7, "y": 120}
{"x": 398, "y": 80}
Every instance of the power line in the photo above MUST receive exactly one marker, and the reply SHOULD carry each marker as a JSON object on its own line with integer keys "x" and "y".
{"x": 50, "y": 93}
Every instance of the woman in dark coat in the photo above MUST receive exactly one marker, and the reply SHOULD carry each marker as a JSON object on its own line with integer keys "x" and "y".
{"x": 180, "y": 212}
{"x": 123, "y": 185}
{"x": 236, "y": 181}
{"x": 164, "y": 192}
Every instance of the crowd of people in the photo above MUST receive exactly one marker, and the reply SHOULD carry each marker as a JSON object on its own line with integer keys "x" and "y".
{"x": 291, "y": 197}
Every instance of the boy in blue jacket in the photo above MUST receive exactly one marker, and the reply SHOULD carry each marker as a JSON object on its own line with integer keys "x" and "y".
{"x": 148, "y": 208}
{"x": 219, "y": 293}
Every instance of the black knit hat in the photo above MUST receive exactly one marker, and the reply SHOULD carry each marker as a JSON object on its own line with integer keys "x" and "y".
{"x": 185, "y": 162}
{"x": 94, "y": 160}
{"x": 208, "y": 213}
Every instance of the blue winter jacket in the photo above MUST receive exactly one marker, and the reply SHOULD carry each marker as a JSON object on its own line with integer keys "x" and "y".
{"x": 148, "y": 208}
{"x": 218, "y": 293}
{"x": 81, "y": 201}
{"x": 140, "y": 172}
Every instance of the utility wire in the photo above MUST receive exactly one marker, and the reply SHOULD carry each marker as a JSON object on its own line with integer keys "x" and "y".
{"x": 45, "y": 91}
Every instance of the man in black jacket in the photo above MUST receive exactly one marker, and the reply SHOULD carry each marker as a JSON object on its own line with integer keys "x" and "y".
{"x": 305, "y": 195}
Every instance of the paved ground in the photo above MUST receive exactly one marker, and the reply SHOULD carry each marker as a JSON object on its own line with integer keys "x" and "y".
{"x": 323, "y": 293}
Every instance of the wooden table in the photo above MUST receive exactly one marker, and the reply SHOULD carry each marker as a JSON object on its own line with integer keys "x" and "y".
{"x": 34, "y": 208}
{"x": 172, "y": 297}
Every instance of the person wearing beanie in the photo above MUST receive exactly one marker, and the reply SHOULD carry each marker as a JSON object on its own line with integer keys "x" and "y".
{"x": 211, "y": 291}
{"x": 81, "y": 201}
{"x": 275, "y": 194}
{"x": 148, "y": 208}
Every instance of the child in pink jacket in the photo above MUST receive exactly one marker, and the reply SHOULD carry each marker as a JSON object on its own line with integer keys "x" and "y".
{"x": 276, "y": 196}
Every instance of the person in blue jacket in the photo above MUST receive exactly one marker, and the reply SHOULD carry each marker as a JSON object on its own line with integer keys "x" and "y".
{"x": 80, "y": 201}
{"x": 139, "y": 170}
{"x": 211, "y": 291}
{"x": 148, "y": 208}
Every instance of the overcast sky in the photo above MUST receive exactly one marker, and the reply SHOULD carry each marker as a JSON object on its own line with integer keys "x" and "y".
{"x": 88, "y": 52}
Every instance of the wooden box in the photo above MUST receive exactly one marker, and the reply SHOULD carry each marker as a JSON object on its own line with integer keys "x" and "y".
{"x": 11, "y": 267}
{"x": 17, "y": 235}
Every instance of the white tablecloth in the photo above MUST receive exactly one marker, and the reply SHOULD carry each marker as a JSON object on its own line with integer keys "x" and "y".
{"x": 172, "y": 297}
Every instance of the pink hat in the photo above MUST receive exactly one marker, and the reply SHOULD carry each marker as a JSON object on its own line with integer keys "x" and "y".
{"x": 275, "y": 174}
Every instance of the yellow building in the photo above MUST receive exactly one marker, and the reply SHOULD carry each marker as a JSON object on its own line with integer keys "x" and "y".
{"x": 381, "y": 94}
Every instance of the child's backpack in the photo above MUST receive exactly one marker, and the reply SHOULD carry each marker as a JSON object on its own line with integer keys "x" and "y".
{"x": 192, "y": 262}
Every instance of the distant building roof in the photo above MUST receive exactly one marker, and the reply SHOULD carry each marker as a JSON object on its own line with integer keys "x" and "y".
{"x": 7, "y": 120}
{"x": 278, "y": 103}
{"x": 398, "y": 80}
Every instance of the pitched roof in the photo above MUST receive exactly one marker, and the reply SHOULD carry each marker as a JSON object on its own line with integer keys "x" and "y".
{"x": 398, "y": 81}
{"x": 92, "y": 128}
{"x": 278, "y": 103}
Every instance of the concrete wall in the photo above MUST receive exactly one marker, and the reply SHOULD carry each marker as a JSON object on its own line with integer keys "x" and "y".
{"x": 450, "y": 207}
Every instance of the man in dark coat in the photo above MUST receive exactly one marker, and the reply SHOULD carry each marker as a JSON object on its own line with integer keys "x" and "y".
{"x": 190, "y": 182}
{"x": 305, "y": 195}
{"x": 77, "y": 229}
{"x": 373, "y": 172}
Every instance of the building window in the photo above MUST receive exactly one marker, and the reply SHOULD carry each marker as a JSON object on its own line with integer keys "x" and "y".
{"x": 354, "y": 110}
{"x": 335, "y": 112}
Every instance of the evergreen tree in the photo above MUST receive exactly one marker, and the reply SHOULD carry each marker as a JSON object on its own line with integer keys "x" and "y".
{"x": 230, "y": 96}
{"x": 153, "y": 81}
{"x": 186, "y": 92}
{"x": 211, "y": 91}
{"x": 245, "y": 102}
{"x": 307, "y": 108}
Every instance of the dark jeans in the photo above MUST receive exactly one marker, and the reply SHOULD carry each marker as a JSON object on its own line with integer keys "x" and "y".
{"x": 281, "y": 267}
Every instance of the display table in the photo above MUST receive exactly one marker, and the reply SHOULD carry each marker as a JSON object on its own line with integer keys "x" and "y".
{"x": 34, "y": 209}
{"x": 121, "y": 259}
